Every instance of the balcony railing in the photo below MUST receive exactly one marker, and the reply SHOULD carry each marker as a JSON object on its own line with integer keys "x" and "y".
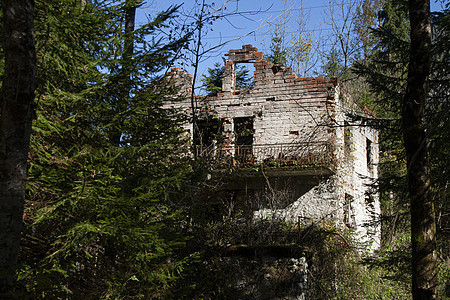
{"x": 311, "y": 154}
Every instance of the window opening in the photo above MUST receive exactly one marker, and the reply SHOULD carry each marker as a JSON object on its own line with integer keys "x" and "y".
{"x": 347, "y": 139}
{"x": 349, "y": 217}
{"x": 244, "y": 76}
{"x": 243, "y": 131}
{"x": 208, "y": 133}
{"x": 369, "y": 157}
{"x": 276, "y": 69}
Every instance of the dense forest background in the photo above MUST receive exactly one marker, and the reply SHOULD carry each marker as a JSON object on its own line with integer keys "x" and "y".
{"x": 111, "y": 207}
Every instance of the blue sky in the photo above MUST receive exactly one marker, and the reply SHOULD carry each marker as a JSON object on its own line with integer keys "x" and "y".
{"x": 258, "y": 23}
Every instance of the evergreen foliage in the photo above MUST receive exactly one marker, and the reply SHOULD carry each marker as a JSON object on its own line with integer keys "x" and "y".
{"x": 333, "y": 66}
{"x": 386, "y": 71}
{"x": 115, "y": 208}
{"x": 99, "y": 215}
{"x": 212, "y": 82}
{"x": 278, "y": 53}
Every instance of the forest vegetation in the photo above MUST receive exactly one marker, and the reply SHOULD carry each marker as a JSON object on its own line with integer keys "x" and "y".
{"x": 101, "y": 199}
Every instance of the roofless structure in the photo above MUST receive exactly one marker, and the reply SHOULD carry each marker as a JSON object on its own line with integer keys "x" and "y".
{"x": 295, "y": 136}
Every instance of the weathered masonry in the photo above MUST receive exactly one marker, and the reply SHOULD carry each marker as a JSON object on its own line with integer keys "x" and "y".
{"x": 300, "y": 152}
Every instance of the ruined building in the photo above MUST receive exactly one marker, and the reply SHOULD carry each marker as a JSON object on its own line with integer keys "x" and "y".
{"x": 296, "y": 139}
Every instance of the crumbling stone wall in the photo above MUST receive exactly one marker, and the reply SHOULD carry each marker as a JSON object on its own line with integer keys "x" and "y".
{"x": 286, "y": 109}
{"x": 357, "y": 171}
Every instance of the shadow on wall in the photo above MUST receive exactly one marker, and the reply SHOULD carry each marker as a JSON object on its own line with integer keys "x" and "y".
{"x": 272, "y": 192}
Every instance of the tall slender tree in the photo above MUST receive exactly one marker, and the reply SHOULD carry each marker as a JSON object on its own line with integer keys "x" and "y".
{"x": 15, "y": 129}
{"x": 423, "y": 220}
{"x": 410, "y": 96}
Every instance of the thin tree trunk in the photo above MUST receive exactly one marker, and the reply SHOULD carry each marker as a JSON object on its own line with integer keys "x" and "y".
{"x": 130, "y": 16}
{"x": 195, "y": 129}
{"x": 423, "y": 223}
{"x": 127, "y": 69}
{"x": 15, "y": 129}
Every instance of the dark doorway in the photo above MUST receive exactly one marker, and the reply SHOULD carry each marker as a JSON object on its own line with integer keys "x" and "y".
{"x": 209, "y": 132}
{"x": 243, "y": 130}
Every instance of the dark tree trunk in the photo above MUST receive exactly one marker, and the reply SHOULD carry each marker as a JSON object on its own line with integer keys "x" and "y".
{"x": 127, "y": 68}
{"x": 130, "y": 16}
{"x": 423, "y": 225}
{"x": 15, "y": 129}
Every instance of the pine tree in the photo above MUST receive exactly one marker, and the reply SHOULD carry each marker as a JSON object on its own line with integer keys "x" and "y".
{"x": 105, "y": 156}
{"x": 278, "y": 53}
{"x": 212, "y": 82}
{"x": 333, "y": 66}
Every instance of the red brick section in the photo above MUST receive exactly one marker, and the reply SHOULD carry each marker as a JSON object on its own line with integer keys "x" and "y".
{"x": 268, "y": 77}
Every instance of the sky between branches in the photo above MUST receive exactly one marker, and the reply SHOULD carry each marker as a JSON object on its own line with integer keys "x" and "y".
{"x": 257, "y": 23}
